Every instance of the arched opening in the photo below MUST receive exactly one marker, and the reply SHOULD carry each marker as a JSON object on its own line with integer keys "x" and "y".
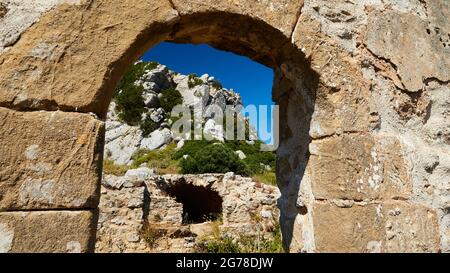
{"x": 294, "y": 85}
{"x": 61, "y": 66}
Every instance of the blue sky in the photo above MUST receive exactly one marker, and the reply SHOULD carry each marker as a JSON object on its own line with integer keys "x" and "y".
{"x": 248, "y": 78}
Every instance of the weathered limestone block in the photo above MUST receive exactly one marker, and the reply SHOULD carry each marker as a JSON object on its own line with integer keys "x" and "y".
{"x": 359, "y": 167}
{"x": 407, "y": 41}
{"x": 410, "y": 228}
{"x": 65, "y": 60}
{"x": 165, "y": 210}
{"x": 439, "y": 15}
{"x": 346, "y": 229}
{"x": 281, "y": 14}
{"x": 19, "y": 15}
{"x": 394, "y": 226}
{"x": 50, "y": 231}
{"x": 341, "y": 103}
{"x": 49, "y": 160}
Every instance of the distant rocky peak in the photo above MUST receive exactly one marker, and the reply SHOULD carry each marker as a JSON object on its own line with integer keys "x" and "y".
{"x": 145, "y": 98}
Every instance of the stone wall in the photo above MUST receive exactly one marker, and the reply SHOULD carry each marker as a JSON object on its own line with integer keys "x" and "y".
{"x": 362, "y": 85}
{"x": 379, "y": 129}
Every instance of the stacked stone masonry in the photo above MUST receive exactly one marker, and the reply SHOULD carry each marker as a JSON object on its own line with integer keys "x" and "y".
{"x": 139, "y": 199}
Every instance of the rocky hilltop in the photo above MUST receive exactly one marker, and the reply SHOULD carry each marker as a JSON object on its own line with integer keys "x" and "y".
{"x": 148, "y": 206}
{"x": 157, "y": 81}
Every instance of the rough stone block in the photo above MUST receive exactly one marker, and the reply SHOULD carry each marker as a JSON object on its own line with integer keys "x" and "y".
{"x": 49, "y": 160}
{"x": 359, "y": 167}
{"x": 394, "y": 226}
{"x": 281, "y": 14}
{"x": 439, "y": 14}
{"x": 52, "y": 231}
{"x": 408, "y": 42}
{"x": 341, "y": 103}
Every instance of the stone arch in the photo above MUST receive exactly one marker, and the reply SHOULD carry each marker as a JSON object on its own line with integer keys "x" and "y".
{"x": 56, "y": 82}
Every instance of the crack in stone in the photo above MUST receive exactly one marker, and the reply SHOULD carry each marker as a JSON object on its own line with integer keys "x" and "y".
{"x": 425, "y": 6}
{"x": 172, "y": 5}
{"x": 335, "y": 134}
{"x": 297, "y": 21}
{"x": 427, "y": 81}
{"x": 57, "y": 108}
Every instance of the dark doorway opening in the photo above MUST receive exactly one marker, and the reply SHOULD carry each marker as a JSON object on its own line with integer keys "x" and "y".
{"x": 200, "y": 204}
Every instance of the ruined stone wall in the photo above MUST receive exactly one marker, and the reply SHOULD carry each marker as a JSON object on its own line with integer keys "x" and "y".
{"x": 363, "y": 87}
{"x": 140, "y": 199}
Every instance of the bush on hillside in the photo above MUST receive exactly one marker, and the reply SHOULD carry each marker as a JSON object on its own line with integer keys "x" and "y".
{"x": 191, "y": 147}
{"x": 134, "y": 73}
{"x": 213, "y": 158}
{"x": 254, "y": 156}
{"x": 130, "y": 104}
{"x": 128, "y": 96}
{"x": 194, "y": 80}
{"x": 170, "y": 98}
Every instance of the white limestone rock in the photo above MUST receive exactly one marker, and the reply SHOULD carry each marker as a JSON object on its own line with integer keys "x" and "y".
{"x": 151, "y": 100}
{"x": 241, "y": 155}
{"x": 214, "y": 130}
{"x": 141, "y": 173}
{"x": 157, "y": 139}
{"x": 158, "y": 115}
{"x": 180, "y": 144}
{"x": 156, "y": 80}
{"x": 121, "y": 142}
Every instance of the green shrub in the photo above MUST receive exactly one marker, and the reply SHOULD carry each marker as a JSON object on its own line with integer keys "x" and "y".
{"x": 191, "y": 147}
{"x": 134, "y": 73}
{"x": 217, "y": 85}
{"x": 213, "y": 158}
{"x": 128, "y": 96}
{"x": 255, "y": 157}
{"x": 194, "y": 80}
{"x": 253, "y": 161}
{"x": 170, "y": 98}
{"x": 256, "y": 161}
{"x": 130, "y": 104}
{"x": 148, "y": 126}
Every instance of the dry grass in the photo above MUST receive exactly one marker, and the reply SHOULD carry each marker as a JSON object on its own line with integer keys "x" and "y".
{"x": 266, "y": 177}
{"x": 110, "y": 168}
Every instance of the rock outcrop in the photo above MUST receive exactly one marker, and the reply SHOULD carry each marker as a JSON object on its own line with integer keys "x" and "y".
{"x": 123, "y": 140}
